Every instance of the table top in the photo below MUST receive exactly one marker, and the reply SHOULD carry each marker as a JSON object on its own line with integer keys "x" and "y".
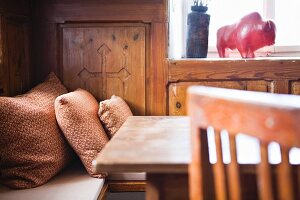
{"x": 150, "y": 144}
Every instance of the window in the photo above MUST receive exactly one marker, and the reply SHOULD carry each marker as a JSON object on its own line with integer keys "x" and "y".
{"x": 284, "y": 13}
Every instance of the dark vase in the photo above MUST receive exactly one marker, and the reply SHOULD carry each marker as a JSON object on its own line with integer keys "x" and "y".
{"x": 197, "y": 37}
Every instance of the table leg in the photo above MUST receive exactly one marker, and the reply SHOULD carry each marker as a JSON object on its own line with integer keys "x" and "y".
{"x": 167, "y": 187}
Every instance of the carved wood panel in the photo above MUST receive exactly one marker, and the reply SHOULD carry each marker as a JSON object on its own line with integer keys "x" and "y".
{"x": 106, "y": 60}
{"x": 177, "y": 91}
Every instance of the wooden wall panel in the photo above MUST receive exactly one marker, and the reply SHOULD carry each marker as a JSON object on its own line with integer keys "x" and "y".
{"x": 93, "y": 10}
{"x": 1, "y": 83}
{"x": 13, "y": 8}
{"x": 228, "y": 69}
{"x": 157, "y": 72}
{"x": 106, "y": 59}
{"x": 178, "y": 91}
{"x": 49, "y": 15}
{"x": 295, "y": 87}
{"x": 275, "y": 75}
{"x": 15, "y": 59}
{"x": 3, "y": 69}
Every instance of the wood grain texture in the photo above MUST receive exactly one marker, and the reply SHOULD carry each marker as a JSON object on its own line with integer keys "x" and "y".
{"x": 272, "y": 114}
{"x": 103, "y": 192}
{"x": 106, "y": 59}
{"x": 205, "y": 188}
{"x": 126, "y": 186}
{"x": 280, "y": 87}
{"x": 264, "y": 178}
{"x": 268, "y": 117}
{"x": 219, "y": 170}
{"x": 148, "y": 144}
{"x": 46, "y": 50}
{"x": 295, "y": 87}
{"x": 121, "y": 186}
{"x": 196, "y": 191}
{"x": 116, "y": 10}
{"x": 233, "y": 171}
{"x": 15, "y": 47}
{"x": 284, "y": 183}
{"x": 157, "y": 73}
{"x": 4, "y": 82}
{"x": 297, "y": 180}
{"x": 228, "y": 69}
{"x": 276, "y": 75}
{"x": 177, "y": 186}
{"x": 178, "y": 91}
{"x": 49, "y": 15}
{"x": 15, "y": 57}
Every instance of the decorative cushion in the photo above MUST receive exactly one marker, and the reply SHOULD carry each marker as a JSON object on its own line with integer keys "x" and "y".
{"x": 113, "y": 113}
{"x": 76, "y": 114}
{"x": 32, "y": 147}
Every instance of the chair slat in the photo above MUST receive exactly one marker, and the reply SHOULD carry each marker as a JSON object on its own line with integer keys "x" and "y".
{"x": 233, "y": 172}
{"x": 285, "y": 186}
{"x": 298, "y": 181}
{"x": 195, "y": 168}
{"x": 207, "y": 173}
{"x": 219, "y": 170}
{"x": 264, "y": 181}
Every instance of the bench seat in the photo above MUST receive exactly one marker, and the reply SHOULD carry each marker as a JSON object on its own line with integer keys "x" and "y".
{"x": 71, "y": 184}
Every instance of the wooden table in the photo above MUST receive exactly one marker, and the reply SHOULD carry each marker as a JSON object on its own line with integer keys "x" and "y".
{"x": 159, "y": 146}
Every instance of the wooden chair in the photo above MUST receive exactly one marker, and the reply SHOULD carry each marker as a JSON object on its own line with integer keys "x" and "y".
{"x": 268, "y": 117}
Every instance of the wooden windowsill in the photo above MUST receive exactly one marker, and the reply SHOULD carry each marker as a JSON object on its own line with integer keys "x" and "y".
{"x": 234, "y": 68}
{"x": 234, "y": 59}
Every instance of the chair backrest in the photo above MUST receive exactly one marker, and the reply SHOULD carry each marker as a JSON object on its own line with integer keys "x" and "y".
{"x": 268, "y": 117}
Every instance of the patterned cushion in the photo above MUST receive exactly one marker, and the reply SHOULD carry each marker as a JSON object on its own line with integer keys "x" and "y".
{"x": 32, "y": 147}
{"x": 113, "y": 113}
{"x": 76, "y": 114}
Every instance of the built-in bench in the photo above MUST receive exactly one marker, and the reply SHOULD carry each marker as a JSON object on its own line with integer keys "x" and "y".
{"x": 75, "y": 183}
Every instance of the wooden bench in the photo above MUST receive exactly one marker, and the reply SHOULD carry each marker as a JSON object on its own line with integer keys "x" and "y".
{"x": 75, "y": 183}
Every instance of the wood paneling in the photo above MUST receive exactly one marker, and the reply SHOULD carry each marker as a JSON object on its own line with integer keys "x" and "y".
{"x": 15, "y": 60}
{"x": 231, "y": 69}
{"x": 94, "y": 10}
{"x": 157, "y": 72}
{"x": 13, "y": 8}
{"x": 17, "y": 55}
{"x": 275, "y": 75}
{"x": 280, "y": 86}
{"x": 106, "y": 60}
{"x": 295, "y": 87}
{"x": 15, "y": 28}
{"x": 178, "y": 91}
{"x": 49, "y": 15}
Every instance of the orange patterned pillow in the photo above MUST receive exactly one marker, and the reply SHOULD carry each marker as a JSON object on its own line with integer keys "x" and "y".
{"x": 113, "y": 113}
{"x": 32, "y": 147}
{"x": 76, "y": 114}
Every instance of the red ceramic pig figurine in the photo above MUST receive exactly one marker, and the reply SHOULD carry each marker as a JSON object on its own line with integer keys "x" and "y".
{"x": 248, "y": 35}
